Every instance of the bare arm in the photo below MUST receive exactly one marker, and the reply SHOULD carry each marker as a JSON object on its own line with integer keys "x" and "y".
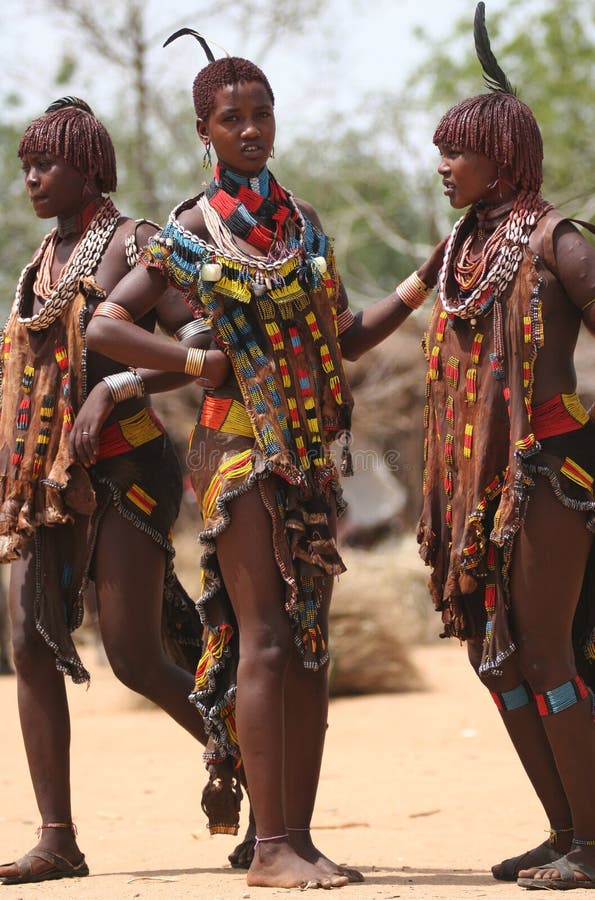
{"x": 575, "y": 259}
{"x": 379, "y": 320}
{"x": 131, "y": 345}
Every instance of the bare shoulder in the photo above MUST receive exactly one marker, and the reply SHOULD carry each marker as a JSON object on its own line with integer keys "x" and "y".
{"x": 309, "y": 212}
{"x": 191, "y": 218}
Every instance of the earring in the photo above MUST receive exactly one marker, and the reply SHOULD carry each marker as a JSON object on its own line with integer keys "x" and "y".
{"x": 272, "y": 156}
{"x": 207, "y": 162}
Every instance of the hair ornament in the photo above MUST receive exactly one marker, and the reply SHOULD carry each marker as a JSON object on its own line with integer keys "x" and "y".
{"x": 201, "y": 40}
{"x": 493, "y": 75}
{"x": 69, "y": 100}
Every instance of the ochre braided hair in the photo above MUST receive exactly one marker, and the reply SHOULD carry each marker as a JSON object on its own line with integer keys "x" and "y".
{"x": 69, "y": 129}
{"x": 220, "y": 73}
{"x": 503, "y": 128}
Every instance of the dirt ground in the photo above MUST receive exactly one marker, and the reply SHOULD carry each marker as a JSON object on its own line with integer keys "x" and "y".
{"x": 419, "y": 790}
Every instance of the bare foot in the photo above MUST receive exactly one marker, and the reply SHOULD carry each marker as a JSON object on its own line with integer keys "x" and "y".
{"x": 301, "y": 841}
{"x": 276, "y": 864}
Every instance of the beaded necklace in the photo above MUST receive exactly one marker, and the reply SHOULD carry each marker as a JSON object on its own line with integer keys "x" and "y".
{"x": 258, "y": 210}
{"x": 83, "y": 262}
{"x": 476, "y": 291}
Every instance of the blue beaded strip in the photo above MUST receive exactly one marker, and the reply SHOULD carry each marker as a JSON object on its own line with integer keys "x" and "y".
{"x": 514, "y": 699}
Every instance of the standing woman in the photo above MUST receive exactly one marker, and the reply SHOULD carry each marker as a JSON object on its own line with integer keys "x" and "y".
{"x": 86, "y": 488}
{"x": 256, "y": 263}
{"x": 509, "y": 511}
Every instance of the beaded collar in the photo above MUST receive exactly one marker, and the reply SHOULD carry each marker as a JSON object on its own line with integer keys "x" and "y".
{"x": 500, "y": 260}
{"x": 258, "y": 210}
{"x": 82, "y": 263}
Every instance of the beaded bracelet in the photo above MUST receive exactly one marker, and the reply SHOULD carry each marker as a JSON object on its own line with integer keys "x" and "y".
{"x": 412, "y": 292}
{"x": 195, "y": 360}
{"x": 190, "y": 329}
{"x": 125, "y": 385}
{"x": 587, "y": 305}
{"x": 112, "y": 311}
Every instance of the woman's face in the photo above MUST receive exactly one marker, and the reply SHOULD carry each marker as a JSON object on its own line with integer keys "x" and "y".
{"x": 55, "y": 188}
{"x": 241, "y": 127}
{"x": 468, "y": 177}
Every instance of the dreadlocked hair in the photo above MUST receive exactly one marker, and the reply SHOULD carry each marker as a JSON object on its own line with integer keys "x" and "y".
{"x": 220, "y": 73}
{"x": 69, "y": 129}
{"x": 503, "y": 128}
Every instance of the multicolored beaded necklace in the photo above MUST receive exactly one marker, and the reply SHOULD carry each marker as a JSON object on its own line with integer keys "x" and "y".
{"x": 258, "y": 210}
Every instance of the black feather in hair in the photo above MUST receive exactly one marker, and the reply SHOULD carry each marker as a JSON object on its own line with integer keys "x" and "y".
{"x": 63, "y": 102}
{"x": 493, "y": 75}
{"x": 201, "y": 40}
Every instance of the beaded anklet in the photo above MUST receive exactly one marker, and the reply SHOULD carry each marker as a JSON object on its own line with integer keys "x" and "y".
{"x": 275, "y": 837}
{"x": 554, "y": 832}
{"x": 580, "y": 843}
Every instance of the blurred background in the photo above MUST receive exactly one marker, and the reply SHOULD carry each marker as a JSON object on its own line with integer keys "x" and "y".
{"x": 359, "y": 88}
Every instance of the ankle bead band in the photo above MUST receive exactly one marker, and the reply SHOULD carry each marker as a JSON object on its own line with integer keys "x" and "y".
{"x": 582, "y": 843}
{"x": 562, "y": 697}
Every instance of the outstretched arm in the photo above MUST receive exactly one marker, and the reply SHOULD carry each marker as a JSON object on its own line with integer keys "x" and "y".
{"x": 380, "y": 319}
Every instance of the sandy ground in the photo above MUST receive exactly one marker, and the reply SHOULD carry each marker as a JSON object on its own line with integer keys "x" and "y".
{"x": 420, "y": 791}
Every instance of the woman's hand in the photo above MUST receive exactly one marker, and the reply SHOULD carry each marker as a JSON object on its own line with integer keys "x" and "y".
{"x": 84, "y": 437}
{"x": 428, "y": 271}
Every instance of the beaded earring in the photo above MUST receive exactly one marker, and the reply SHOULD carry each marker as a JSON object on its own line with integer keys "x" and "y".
{"x": 207, "y": 162}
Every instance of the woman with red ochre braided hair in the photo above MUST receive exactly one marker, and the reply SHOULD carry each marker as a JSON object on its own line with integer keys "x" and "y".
{"x": 509, "y": 511}
{"x": 256, "y": 262}
{"x": 89, "y": 487}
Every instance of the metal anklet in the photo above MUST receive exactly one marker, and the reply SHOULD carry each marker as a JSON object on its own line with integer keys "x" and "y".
{"x": 276, "y": 837}
{"x": 70, "y": 825}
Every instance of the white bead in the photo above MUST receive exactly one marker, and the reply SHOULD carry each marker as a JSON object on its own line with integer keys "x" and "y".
{"x": 320, "y": 262}
{"x": 210, "y": 271}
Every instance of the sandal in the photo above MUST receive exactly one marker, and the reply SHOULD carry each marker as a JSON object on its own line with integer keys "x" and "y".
{"x": 566, "y": 882}
{"x": 508, "y": 869}
{"x": 60, "y": 867}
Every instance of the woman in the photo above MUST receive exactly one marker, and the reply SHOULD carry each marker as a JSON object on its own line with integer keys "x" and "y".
{"x": 509, "y": 512}
{"x": 88, "y": 488}
{"x": 257, "y": 264}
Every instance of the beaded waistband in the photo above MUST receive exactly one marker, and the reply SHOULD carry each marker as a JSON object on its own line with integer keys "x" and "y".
{"x": 225, "y": 415}
{"x": 561, "y": 414}
{"x": 126, "y": 434}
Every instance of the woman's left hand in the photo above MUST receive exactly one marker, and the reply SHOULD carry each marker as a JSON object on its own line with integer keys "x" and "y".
{"x": 84, "y": 437}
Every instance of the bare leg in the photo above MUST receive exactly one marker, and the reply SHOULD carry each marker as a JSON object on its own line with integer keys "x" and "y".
{"x": 5, "y": 666}
{"x": 130, "y": 570}
{"x": 44, "y": 717}
{"x": 306, "y": 705}
{"x": 256, "y": 590}
{"x": 548, "y": 569}
{"x": 525, "y": 728}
